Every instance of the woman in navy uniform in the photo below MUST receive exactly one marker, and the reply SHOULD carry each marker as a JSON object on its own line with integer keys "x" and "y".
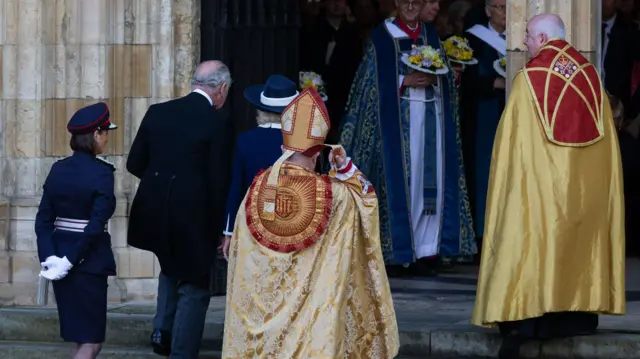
{"x": 74, "y": 245}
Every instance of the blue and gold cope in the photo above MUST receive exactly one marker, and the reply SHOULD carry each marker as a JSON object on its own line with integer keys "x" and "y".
{"x": 375, "y": 133}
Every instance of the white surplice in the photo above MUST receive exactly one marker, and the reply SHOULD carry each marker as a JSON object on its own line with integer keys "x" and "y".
{"x": 426, "y": 228}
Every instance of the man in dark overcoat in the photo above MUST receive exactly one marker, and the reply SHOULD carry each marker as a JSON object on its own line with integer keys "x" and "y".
{"x": 180, "y": 156}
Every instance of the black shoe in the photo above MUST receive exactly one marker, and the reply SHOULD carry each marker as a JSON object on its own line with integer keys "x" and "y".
{"x": 425, "y": 267}
{"x": 510, "y": 348}
{"x": 396, "y": 271}
{"x": 161, "y": 342}
{"x": 446, "y": 266}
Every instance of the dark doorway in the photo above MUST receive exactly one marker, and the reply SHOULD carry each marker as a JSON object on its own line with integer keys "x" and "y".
{"x": 255, "y": 38}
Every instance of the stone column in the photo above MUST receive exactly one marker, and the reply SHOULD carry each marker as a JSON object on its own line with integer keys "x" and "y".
{"x": 581, "y": 18}
{"x": 57, "y": 56}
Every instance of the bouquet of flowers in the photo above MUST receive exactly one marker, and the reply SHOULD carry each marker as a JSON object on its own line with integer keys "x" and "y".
{"x": 500, "y": 66}
{"x": 311, "y": 79}
{"x": 425, "y": 59}
{"x": 459, "y": 50}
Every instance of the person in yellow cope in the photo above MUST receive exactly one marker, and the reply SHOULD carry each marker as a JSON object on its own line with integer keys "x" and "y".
{"x": 553, "y": 256}
{"x": 306, "y": 276}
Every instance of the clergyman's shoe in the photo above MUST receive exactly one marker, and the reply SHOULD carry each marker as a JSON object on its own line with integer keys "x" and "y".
{"x": 426, "y": 267}
{"x": 510, "y": 348}
{"x": 396, "y": 271}
{"x": 161, "y": 342}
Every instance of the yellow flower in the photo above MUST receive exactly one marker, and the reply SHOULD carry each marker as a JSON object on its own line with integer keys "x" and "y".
{"x": 426, "y": 57}
{"x": 458, "y": 48}
{"x": 415, "y": 60}
{"x": 503, "y": 62}
{"x": 308, "y": 82}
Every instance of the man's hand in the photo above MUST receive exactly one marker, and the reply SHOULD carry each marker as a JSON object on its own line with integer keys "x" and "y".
{"x": 224, "y": 247}
{"x": 338, "y": 157}
{"x": 419, "y": 79}
{"x": 499, "y": 83}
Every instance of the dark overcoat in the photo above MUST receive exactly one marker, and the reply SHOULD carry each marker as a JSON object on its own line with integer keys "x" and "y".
{"x": 181, "y": 156}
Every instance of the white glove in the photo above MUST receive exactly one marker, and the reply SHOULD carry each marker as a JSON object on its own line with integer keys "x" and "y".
{"x": 52, "y": 274}
{"x": 66, "y": 265}
{"x": 55, "y": 268}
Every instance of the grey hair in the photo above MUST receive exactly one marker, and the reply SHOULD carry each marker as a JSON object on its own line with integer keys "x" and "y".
{"x": 552, "y": 25}
{"x": 263, "y": 117}
{"x": 214, "y": 79}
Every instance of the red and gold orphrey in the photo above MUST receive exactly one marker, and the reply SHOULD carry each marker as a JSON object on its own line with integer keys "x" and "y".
{"x": 302, "y": 209}
{"x": 568, "y": 95}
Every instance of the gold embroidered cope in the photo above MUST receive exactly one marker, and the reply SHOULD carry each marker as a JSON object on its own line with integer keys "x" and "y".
{"x": 330, "y": 300}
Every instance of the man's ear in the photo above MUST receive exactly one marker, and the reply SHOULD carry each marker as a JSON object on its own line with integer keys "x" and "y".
{"x": 544, "y": 37}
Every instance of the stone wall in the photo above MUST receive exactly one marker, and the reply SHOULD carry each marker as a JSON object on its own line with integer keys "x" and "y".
{"x": 59, "y": 55}
{"x": 581, "y": 18}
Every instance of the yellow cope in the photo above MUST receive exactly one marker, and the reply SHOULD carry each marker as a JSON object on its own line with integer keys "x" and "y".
{"x": 554, "y": 235}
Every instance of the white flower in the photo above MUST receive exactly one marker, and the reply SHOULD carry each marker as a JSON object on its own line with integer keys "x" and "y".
{"x": 427, "y": 62}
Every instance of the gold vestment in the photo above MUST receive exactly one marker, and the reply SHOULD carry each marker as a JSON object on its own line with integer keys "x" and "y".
{"x": 554, "y": 230}
{"x": 313, "y": 297}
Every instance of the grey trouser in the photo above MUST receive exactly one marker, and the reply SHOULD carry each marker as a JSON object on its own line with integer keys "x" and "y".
{"x": 181, "y": 311}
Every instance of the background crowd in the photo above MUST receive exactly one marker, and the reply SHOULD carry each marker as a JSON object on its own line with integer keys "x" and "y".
{"x": 335, "y": 32}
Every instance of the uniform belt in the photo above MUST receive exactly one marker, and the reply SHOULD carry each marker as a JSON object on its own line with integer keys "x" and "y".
{"x": 71, "y": 224}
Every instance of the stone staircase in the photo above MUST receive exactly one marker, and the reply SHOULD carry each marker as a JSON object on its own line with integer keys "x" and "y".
{"x": 32, "y": 333}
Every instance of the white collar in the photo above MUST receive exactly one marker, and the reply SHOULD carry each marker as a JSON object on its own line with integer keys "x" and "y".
{"x": 205, "y": 95}
{"x": 271, "y": 125}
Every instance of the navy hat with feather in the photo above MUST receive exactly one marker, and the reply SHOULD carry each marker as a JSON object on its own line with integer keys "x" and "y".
{"x": 89, "y": 119}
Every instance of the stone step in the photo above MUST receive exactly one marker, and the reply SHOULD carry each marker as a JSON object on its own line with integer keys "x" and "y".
{"x": 418, "y": 340}
{"x": 32, "y": 350}
{"x": 126, "y": 330}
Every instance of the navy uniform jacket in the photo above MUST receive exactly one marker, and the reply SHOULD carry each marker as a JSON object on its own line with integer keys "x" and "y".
{"x": 78, "y": 187}
{"x": 256, "y": 149}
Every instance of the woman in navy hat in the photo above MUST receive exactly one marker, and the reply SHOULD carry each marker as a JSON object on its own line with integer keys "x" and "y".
{"x": 259, "y": 148}
{"x": 74, "y": 245}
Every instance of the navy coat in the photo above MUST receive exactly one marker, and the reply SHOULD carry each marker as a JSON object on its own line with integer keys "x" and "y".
{"x": 180, "y": 154}
{"x": 256, "y": 149}
{"x": 79, "y": 188}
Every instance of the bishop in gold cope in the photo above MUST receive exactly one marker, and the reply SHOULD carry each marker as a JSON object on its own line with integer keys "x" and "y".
{"x": 306, "y": 277}
{"x": 553, "y": 253}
